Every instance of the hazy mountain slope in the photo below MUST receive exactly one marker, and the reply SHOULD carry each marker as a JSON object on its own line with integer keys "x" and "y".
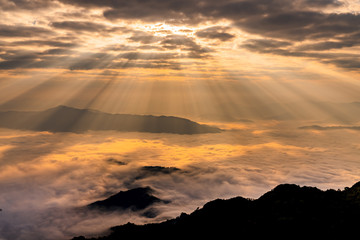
{"x": 67, "y": 119}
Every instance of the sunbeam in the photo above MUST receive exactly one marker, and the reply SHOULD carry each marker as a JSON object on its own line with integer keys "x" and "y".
{"x": 185, "y": 101}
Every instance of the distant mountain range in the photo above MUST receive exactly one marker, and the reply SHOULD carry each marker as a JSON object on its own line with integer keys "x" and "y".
{"x": 68, "y": 119}
{"x": 286, "y": 212}
{"x": 323, "y": 128}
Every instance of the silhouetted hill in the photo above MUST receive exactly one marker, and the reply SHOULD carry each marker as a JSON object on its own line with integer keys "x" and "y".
{"x": 287, "y": 212}
{"x": 67, "y": 119}
{"x": 133, "y": 199}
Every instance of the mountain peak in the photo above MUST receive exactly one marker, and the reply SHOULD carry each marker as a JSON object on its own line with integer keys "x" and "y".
{"x": 134, "y": 199}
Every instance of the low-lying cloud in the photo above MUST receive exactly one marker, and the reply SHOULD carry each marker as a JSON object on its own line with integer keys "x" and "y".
{"x": 186, "y": 170}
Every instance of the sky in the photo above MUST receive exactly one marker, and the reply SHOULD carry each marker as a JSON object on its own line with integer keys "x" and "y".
{"x": 280, "y": 77}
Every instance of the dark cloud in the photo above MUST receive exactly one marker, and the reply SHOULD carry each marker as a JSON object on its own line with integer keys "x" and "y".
{"x": 186, "y": 10}
{"x": 53, "y": 57}
{"x": 144, "y": 37}
{"x": 147, "y": 55}
{"x": 61, "y": 54}
{"x": 261, "y": 44}
{"x": 127, "y": 63}
{"x": 149, "y": 64}
{"x": 217, "y": 32}
{"x": 17, "y": 59}
{"x": 23, "y": 31}
{"x": 57, "y": 58}
{"x": 276, "y": 47}
{"x": 320, "y": 3}
{"x": 81, "y": 26}
{"x": 67, "y": 59}
{"x": 349, "y": 63}
{"x": 149, "y": 47}
{"x": 120, "y": 48}
{"x": 296, "y": 20}
{"x": 25, "y": 4}
{"x": 328, "y": 45}
{"x": 282, "y": 24}
{"x": 285, "y": 48}
{"x": 52, "y": 43}
{"x": 299, "y": 25}
{"x": 179, "y": 41}
{"x": 58, "y": 51}
{"x": 129, "y": 60}
{"x": 153, "y": 10}
{"x": 185, "y": 43}
{"x": 287, "y": 20}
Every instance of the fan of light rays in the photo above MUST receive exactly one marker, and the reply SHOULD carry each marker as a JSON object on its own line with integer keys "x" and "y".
{"x": 265, "y": 90}
{"x": 160, "y": 73}
{"x": 115, "y": 82}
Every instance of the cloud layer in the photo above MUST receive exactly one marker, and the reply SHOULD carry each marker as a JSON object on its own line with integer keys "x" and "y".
{"x": 61, "y": 172}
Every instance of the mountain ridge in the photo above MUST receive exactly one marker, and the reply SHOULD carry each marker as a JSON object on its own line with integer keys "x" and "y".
{"x": 68, "y": 119}
{"x": 288, "y": 212}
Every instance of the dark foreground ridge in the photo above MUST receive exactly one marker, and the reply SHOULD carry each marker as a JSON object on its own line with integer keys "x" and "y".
{"x": 68, "y": 119}
{"x": 288, "y": 212}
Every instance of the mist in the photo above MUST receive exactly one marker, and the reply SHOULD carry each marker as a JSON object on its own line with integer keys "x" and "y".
{"x": 47, "y": 178}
